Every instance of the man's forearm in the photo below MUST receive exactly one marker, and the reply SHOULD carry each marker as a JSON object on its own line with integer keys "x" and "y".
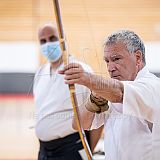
{"x": 108, "y": 88}
{"x": 95, "y": 135}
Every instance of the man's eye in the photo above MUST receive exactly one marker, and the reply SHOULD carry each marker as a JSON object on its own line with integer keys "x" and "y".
{"x": 116, "y": 59}
{"x": 107, "y": 61}
{"x": 42, "y": 41}
{"x": 53, "y": 39}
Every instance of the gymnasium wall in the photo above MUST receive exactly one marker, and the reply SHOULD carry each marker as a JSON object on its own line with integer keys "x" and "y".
{"x": 86, "y": 24}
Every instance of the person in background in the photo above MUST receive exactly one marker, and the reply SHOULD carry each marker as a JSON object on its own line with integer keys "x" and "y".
{"x": 130, "y": 99}
{"x": 58, "y": 140}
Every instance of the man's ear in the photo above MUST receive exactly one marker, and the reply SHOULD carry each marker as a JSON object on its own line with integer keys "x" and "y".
{"x": 138, "y": 55}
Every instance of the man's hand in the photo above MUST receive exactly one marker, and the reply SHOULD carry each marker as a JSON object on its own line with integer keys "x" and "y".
{"x": 74, "y": 73}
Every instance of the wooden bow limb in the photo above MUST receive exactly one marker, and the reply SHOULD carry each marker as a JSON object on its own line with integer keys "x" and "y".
{"x": 63, "y": 46}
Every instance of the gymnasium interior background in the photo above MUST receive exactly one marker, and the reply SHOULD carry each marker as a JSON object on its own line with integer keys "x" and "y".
{"x": 86, "y": 23}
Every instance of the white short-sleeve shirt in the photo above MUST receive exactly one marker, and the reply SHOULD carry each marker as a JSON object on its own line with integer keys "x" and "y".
{"x": 132, "y": 129}
{"x": 54, "y": 110}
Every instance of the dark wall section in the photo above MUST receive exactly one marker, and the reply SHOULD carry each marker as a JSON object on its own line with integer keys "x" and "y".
{"x": 19, "y": 82}
{"x": 16, "y": 82}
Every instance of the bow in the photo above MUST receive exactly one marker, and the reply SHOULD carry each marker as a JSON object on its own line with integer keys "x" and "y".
{"x": 63, "y": 46}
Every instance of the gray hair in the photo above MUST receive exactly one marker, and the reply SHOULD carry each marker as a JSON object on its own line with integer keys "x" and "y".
{"x": 131, "y": 40}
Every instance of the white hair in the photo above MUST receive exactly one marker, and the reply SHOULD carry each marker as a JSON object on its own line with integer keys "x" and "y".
{"x": 131, "y": 40}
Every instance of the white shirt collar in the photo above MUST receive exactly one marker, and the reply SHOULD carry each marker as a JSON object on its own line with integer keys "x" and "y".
{"x": 142, "y": 72}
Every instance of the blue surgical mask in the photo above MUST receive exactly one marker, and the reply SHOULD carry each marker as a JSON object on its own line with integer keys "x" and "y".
{"x": 51, "y": 50}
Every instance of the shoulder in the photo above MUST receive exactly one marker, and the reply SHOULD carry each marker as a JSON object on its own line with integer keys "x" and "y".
{"x": 41, "y": 71}
{"x": 44, "y": 69}
{"x": 147, "y": 83}
{"x": 149, "y": 79}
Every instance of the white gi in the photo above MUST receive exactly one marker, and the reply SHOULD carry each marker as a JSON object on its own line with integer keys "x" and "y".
{"x": 132, "y": 129}
{"x": 54, "y": 109}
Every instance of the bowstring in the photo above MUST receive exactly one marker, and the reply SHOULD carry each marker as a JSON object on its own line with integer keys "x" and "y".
{"x": 91, "y": 32}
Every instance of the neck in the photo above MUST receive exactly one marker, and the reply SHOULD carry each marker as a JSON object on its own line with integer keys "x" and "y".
{"x": 141, "y": 66}
{"x": 55, "y": 65}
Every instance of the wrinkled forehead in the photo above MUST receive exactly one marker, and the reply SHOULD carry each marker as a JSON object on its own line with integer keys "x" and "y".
{"x": 115, "y": 49}
{"x": 47, "y": 31}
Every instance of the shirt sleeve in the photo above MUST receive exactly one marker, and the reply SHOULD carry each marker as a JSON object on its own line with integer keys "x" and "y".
{"x": 37, "y": 76}
{"x": 35, "y": 81}
{"x": 98, "y": 121}
{"x": 142, "y": 99}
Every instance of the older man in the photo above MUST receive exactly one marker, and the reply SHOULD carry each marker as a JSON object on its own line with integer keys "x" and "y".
{"x": 131, "y": 119}
{"x": 58, "y": 140}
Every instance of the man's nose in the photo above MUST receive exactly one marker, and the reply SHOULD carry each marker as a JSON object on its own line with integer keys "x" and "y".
{"x": 48, "y": 40}
{"x": 111, "y": 66}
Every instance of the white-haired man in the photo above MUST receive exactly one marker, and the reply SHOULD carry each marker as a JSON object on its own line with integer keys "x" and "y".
{"x": 132, "y": 119}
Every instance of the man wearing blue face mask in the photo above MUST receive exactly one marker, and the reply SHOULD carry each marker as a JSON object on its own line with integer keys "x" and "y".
{"x": 58, "y": 140}
{"x": 52, "y": 51}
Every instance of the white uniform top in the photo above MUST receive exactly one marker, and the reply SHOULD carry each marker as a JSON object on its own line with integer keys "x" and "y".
{"x": 53, "y": 105}
{"x": 132, "y": 129}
